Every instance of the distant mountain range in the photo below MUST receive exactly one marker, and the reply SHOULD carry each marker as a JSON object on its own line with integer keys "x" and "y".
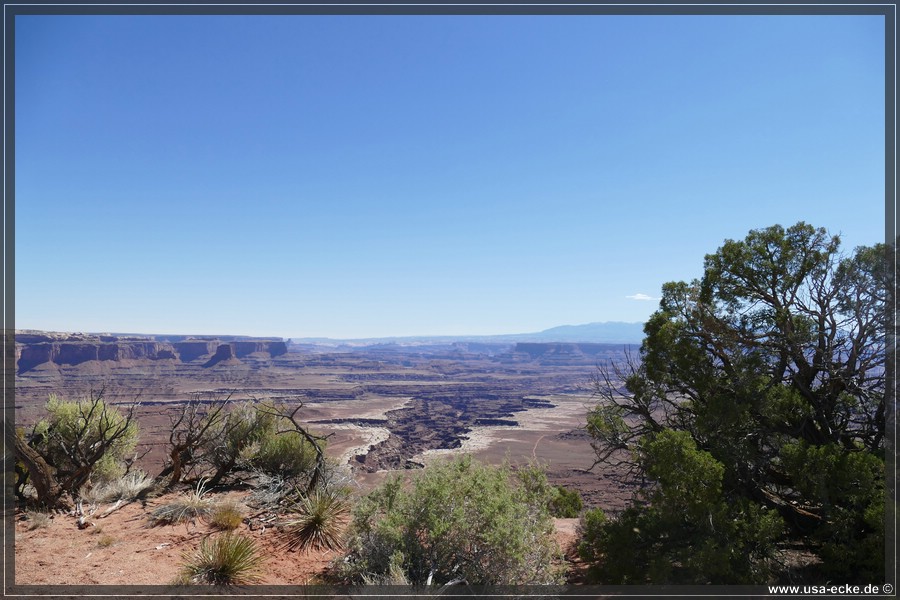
{"x": 609, "y": 332}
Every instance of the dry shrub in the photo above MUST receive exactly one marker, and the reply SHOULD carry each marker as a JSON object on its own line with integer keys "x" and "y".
{"x": 190, "y": 507}
{"x": 226, "y": 515}
{"x": 127, "y": 487}
{"x": 37, "y": 519}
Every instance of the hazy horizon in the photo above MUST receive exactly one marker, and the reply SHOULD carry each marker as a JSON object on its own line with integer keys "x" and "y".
{"x": 390, "y": 176}
{"x": 303, "y": 337}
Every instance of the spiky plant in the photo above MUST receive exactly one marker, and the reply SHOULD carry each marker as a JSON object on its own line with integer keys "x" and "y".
{"x": 187, "y": 508}
{"x": 318, "y": 523}
{"x": 228, "y": 559}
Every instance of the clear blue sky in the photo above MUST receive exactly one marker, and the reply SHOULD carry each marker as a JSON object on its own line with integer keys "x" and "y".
{"x": 406, "y": 175}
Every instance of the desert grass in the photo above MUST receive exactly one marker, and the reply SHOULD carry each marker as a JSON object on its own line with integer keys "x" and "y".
{"x": 226, "y": 515}
{"x": 127, "y": 487}
{"x": 395, "y": 576}
{"x": 37, "y": 519}
{"x": 188, "y": 508}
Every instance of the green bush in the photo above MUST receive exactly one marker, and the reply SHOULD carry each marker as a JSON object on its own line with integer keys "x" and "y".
{"x": 566, "y": 503}
{"x": 285, "y": 453}
{"x": 459, "y": 520}
{"x": 236, "y": 436}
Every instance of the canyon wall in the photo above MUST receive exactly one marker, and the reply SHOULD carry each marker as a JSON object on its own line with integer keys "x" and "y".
{"x": 37, "y": 348}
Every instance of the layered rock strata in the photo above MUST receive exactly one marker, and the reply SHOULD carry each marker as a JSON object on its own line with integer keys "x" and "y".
{"x": 37, "y": 348}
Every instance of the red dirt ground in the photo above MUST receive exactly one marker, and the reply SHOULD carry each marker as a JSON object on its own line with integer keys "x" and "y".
{"x": 124, "y": 549}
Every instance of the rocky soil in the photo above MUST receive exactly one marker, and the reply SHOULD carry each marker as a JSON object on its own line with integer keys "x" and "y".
{"x": 124, "y": 548}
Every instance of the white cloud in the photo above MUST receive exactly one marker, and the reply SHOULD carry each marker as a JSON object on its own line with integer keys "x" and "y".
{"x": 640, "y": 297}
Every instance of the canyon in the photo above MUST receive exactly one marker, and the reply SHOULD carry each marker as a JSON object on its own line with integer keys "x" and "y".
{"x": 386, "y": 406}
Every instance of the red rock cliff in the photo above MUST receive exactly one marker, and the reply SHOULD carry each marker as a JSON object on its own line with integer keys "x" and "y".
{"x": 36, "y": 348}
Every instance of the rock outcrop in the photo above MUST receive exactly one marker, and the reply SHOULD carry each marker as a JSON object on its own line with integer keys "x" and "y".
{"x": 37, "y": 348}
{"x": 191, "y": 350}
{"x": 271, "y": 347}
{"x": 224, "y": 352}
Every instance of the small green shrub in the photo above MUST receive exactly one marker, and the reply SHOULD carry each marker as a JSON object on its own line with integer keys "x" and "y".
{"x": 226, "y": 515}
{"x": 566, "y": 503}
{"x": 235, "y": 438}
{"x": 456, "y": 520}
{"x": 105, "y": 541}
{"x": 227, "y": 559}
{"x": 318, "y": 524}
{"x": 287, "y": 454}
{"x": 592, "y": 542}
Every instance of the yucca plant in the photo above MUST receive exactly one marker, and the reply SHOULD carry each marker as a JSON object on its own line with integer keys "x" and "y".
{"x": 318, "y": 523}
{"x": 228, "y": 559}
{"x": 188, "y": 508}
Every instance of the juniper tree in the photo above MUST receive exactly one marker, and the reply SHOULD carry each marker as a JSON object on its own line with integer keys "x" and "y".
{"x": 756, "y": 413}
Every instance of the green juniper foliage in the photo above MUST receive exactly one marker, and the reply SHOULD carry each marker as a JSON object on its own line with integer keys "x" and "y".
{"x": 757, "y": 413}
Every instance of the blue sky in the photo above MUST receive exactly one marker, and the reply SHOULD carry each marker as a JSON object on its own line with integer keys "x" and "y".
{"x": 355, "y": 176}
